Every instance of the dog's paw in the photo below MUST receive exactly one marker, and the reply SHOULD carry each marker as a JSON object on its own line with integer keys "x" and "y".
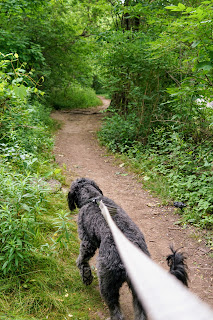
{"x": 87, "y": 276}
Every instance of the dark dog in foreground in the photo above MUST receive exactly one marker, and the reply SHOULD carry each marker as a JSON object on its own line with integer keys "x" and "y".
{"x": 94, "y": 233}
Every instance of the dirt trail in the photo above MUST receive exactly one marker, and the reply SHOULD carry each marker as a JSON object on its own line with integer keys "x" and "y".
{"x": 77, "y": 148}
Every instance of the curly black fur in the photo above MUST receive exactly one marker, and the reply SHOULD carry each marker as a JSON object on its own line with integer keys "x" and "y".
{"x": 177, "y": 265}
{"x": 94, "y": 233}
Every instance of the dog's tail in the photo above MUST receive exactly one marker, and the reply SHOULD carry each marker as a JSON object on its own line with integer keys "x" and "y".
{"x": 177, "y": 265}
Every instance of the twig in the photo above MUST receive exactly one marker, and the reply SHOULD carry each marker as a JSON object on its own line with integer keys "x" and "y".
{"x": 173, "y": 78}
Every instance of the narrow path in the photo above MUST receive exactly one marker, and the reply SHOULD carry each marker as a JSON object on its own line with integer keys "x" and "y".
{"x": 76, "y": 147}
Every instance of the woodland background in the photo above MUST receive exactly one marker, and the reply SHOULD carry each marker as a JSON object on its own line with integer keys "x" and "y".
{"x": 154, "y": 59}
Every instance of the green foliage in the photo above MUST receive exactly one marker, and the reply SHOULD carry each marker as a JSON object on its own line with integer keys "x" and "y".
{"x": 24, "y": 124}
{"x": 188, "y": 171}
{"x": 50, "y": 284}
{"x": 23, "y": 199}
{"x": 168, "y": 160}
{"x": 119, "y": 133}
{"x": 134, "y": 80}
{"x": 158, "y": 64}
{"x": 52, "y": 37}
{"x": 23, "y": 130}
{"x": 74, "y": 97}
{"x": 38, "y": 239}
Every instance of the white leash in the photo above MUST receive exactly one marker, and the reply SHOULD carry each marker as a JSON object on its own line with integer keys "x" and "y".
{"x": 161, "y": 294}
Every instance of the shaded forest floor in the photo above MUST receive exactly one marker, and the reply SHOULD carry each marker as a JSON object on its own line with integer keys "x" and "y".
{"x": 76, "y": 147}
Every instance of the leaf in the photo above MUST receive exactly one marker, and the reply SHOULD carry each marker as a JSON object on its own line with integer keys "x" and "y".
{"x": 122, "y": 165}
{"x": 20, "y": 91}
{"x": 16, "y": 261}
{"x": 59, "y": 238}
{"x": 195, "y": 44}
{"x": 20, "y": 255}
{"x": 5, "y": 265}
{"x": 189, "y": 9}
{"x": 205, "y": 65}
{"x": 22, "y": 70}
{"x": 26, "y": 207}
{"x": 173, "y": 8}
{"x": 19, "y": 242}
{"x": 211, "y": 55}
{"x": 181, "y": 6}
{"x": 146, "y": 178}
{"x": 56, "y": 171}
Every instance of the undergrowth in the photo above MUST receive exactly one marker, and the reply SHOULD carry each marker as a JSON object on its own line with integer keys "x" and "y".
{"x": 74, "y": 97}
{"x": 49, "y": 285}
{"x": 38, "y": 236}
{"x": 171, "y": 166}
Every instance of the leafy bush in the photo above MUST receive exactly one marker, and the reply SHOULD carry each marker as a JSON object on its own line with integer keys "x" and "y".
{"x": 25, "y": 123}
{"x": 160, "y": 69}
{"x": 159, "y": 72}
{"x": 185, "y": 168}
{"x": 24, "y": 141}
{"x": 118, "y": 132}
{"x": 74, "y": 97}
{"x": 22, "y": 200}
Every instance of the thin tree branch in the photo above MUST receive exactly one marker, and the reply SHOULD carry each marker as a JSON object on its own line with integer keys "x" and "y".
{"x": 173, "y": 78}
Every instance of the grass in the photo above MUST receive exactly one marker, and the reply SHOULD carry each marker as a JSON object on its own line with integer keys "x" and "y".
{"x": 74, "y": 97}
{"x": 50, "y": 286}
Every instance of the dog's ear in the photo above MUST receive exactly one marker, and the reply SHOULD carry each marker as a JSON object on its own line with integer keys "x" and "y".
{"x": 84, "y": 181}
{"x": 71, "y": 200}
{"x": 96, "y": 186}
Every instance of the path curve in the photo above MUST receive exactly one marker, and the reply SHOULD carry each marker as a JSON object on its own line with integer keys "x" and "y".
{"x": 76, "y": 146}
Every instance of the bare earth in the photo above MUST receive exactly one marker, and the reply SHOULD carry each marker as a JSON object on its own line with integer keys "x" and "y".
{"x": 76, "y": 147}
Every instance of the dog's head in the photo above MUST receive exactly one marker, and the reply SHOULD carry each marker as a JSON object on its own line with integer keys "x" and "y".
{"x": 81, "y": 191}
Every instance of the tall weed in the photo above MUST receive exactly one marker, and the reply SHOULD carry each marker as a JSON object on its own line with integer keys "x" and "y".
{"x": 22, "y": 200}
{"x": 24, "y": 142}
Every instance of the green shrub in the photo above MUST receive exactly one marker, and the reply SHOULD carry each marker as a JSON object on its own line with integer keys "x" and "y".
{"x": 118, "y": 132}
{"x": 25, "y": 123}
{"x": 24, "y": 142}
{"x": 168, "y": 159}
{"x": 74, "y": 97}
{"x": 23, "y": 198}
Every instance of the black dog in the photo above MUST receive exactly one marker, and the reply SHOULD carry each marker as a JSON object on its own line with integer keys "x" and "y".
{"x": 95, "y": 233}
